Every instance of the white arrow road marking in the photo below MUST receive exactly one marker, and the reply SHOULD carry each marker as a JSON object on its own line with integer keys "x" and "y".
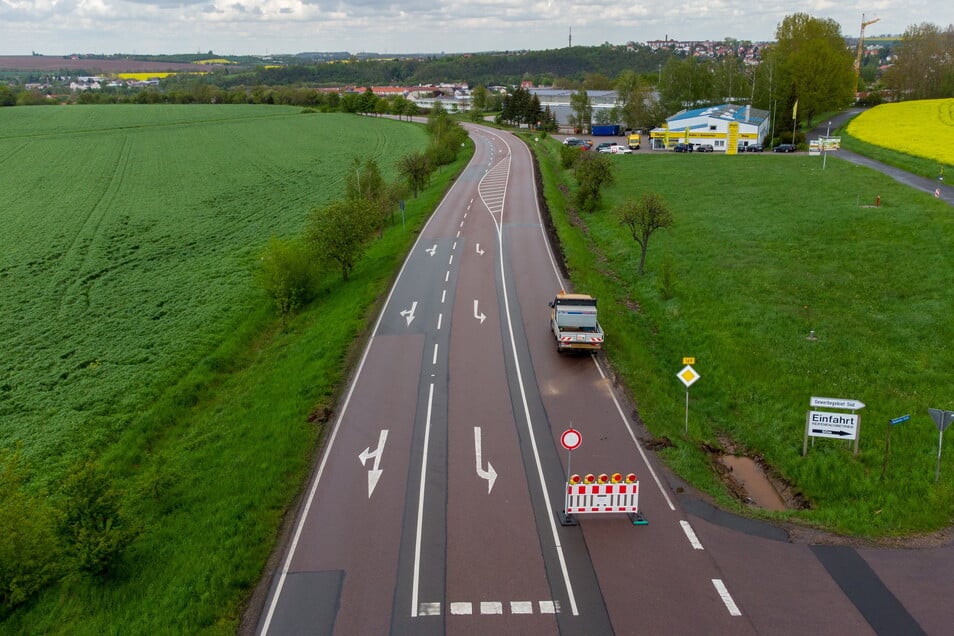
{"x": 490, "y": 474}
{"x": 479, "y": 316}
{"x": 375, "y": 473}
{"x": 479, "y": 251}
{"x": 432, "y": 250}
{"x": 409, "y": 313}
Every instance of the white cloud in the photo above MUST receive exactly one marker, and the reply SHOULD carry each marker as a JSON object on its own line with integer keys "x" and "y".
{"x": 407, "y": 26}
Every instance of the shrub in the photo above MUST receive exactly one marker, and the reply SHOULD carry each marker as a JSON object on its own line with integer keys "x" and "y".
{"x": 288, "y": 274}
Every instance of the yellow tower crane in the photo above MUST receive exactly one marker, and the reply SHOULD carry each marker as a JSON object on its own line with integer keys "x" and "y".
{"x": 861, "y": 46}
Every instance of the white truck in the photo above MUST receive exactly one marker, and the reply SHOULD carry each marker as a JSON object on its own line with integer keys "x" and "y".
{"x": 574, "y": 324}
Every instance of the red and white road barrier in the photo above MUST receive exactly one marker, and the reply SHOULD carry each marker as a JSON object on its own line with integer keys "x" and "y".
{"x": 603, "y": 494}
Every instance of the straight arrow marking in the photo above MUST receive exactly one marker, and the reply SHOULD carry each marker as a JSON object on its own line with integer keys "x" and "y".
{"x": 374, "y": 474}
{"x": 479, "y": 316}
{"x": 490, "y": 474}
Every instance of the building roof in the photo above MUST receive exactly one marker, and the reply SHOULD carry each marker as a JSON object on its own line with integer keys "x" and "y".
{"x": 727, "y": 112}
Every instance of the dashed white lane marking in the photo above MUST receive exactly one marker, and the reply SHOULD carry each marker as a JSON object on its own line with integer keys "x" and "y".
{"x": 489, "y": 608}
{"x": 440, "y": 318}
{"x": 444, "y": 293}
{"x": 434, "y": 359}
{"x": 447, "y": 276}
{"x": 450, "y": 261}
{"x": 461, "y": 609}
{"x": 726, "y": 597}
{"x": 691, "y": 535}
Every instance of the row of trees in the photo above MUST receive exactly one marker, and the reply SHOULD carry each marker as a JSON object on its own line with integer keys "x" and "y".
{"x": 924, "y": 64}
{"x": 338, "y": 234}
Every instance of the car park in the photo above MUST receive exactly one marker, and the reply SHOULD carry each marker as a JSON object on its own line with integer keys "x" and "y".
{"x": 785, "y": 148}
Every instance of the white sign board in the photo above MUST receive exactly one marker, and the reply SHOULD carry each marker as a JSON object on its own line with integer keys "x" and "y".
{"x": 834, "y": 425}
{"x": 837, "y": 403}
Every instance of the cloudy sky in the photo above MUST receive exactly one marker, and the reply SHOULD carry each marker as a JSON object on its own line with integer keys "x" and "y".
{"x": 227, "y": 27}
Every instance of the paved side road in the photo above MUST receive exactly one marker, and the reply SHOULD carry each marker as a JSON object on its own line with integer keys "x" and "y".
{"x": 902, "y": 176}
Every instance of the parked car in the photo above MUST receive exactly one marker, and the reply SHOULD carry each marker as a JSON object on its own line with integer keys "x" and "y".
{"x": 704, "y": 148}
{"x": 753, "y": 148}
{"x": 614, "y": 149}
{"x": 682, "y": 148}
{"x": 573, "y": 141}
{"x": 604, "y": 146}
{"x": 785, "y": 148}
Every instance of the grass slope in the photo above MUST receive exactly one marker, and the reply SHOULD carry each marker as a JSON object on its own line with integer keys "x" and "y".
{"x": 765, "y": 249}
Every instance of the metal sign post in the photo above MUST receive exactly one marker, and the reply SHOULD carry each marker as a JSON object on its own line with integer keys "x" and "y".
{"x": 887, "y": 441}
{"x": 688, "y": 376}
{"x": 942, "y": 419}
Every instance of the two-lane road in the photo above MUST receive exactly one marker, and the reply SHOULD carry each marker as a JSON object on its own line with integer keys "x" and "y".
{"x": 435, "y": 508}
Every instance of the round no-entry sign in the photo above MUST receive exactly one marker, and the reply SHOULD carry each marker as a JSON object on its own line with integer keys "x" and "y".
{"x": 571, "y": 439}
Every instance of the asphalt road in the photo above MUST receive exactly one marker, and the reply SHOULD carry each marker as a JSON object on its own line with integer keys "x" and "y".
{"x": 435, "y": 508}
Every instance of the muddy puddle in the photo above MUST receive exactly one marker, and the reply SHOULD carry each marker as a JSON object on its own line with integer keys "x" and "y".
{"x": 750, "y": 477}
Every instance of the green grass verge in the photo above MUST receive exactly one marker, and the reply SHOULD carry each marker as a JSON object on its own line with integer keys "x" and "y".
{"x": 915, "y": 165}
{"x": 764, "y": 249}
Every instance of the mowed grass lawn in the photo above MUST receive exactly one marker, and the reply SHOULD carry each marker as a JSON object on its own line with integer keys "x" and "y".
{"x": 133, "y": 333}
{"x": 766, "y": 248}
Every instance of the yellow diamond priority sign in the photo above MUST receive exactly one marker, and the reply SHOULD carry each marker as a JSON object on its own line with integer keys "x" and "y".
{"x": 688, "y": 375}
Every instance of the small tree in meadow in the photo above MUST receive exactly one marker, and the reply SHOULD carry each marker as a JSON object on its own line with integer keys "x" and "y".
{"x": 643, "y": 217}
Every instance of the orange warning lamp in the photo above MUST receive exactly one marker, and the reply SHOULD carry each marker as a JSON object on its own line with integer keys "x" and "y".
{"x": 575, "y": 479}
{"x": 589, "y": 479}
{"x": 616, "y": 478}
{"x": 630, "y": 478}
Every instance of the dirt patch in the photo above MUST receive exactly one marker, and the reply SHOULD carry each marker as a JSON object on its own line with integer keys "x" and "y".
{"x": 752, "y": 480}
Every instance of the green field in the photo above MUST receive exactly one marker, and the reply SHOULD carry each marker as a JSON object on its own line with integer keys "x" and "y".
{"x": 130, "y": 234}
{"x": 134, "y": 334}
{"x": 766, "y": 248}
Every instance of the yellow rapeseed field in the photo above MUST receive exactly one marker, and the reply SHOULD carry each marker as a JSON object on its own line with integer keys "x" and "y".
{"x": 922, "y": 128}
{"x": 141, "y": 77}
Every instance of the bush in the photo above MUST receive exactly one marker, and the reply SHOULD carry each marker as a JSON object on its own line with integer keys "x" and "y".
{"x": 288, "y": 274}
{"x": 29, "y": 556}
{"x": 90, "y": 521}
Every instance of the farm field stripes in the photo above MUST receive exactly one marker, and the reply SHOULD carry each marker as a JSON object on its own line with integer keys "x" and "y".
{"x": 130, "y": 237}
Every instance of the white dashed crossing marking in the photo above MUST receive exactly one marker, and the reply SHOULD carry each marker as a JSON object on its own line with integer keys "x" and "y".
{"x": 490, "y": 608}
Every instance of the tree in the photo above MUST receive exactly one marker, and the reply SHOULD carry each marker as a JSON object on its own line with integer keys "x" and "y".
{"x": 91, "y": 521}
{"x": 924, "y": 64}
{"x": 592, "y": 170}
{"x": 363, "y": 181}
{"x": 643, "y": 217}
{"x": 813, "y": 66}
{"x": 416, "y": 169}
{"x": 582, "y": 110}
{"x": 339, "y": 232}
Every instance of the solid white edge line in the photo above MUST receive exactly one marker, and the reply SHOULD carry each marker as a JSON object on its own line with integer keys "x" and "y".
{"x": 691, "y": 535}
{"x": 420, "y": 507}
{"x": 619, "y": 408}
{"x": 526, "y": 411}
{"x": 344, "y": 408}
{"x": 726, "y": 598}
{"x": 632, "y": 435}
